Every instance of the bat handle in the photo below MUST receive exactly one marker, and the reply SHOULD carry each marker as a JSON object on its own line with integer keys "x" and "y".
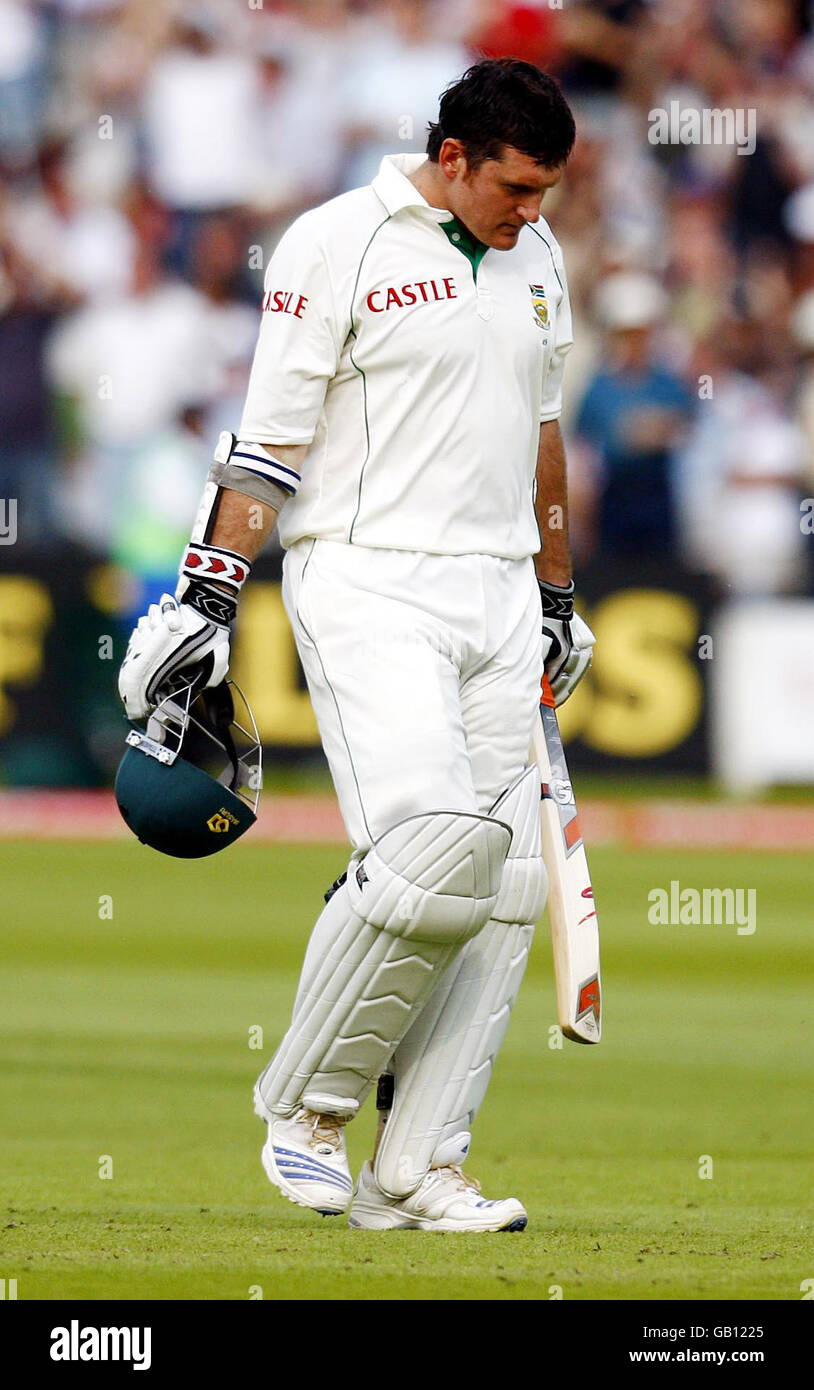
{"x": 546, "y": 693}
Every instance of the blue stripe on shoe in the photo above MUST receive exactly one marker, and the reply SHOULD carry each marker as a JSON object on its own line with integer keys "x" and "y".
{"x": 313, "y": 1165}
{"x": 296, "y": 1176}
{"x": 303, "y": 1157}
{"x": 295, "y": 1161}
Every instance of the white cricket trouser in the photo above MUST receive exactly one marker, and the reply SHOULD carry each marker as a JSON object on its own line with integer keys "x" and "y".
{"x": 424, "y": 674}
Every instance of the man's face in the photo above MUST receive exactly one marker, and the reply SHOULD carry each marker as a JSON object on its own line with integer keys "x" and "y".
{"x": 496, "y": 200}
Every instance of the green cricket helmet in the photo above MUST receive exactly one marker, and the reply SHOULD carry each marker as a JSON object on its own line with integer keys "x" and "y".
{"x": 189, "y": 784}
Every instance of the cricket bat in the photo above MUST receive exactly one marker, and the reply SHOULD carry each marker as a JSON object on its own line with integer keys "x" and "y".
{"x": 571, "y": 907}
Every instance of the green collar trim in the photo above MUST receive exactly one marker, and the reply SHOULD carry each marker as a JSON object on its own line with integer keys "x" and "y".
{"x": 463, "y": 241}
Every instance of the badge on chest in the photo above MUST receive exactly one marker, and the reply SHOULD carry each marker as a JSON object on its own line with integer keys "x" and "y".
{"x": 540, "y": 305}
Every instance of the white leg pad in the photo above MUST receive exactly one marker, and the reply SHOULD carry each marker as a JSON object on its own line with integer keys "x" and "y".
{"x": 329, "y": 923}
{"x": 423, "y": 889}
{"x": 443, "y": 1065}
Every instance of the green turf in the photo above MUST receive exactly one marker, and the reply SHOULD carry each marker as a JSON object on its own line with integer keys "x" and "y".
{"x": 300, "y": 776}
{"x": 129, "y": 1037}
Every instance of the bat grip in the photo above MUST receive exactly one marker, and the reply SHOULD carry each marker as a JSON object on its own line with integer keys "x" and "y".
{"x": 546, "y": 693}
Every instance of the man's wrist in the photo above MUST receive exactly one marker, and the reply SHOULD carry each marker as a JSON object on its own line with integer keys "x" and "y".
{"x": 212, "y": 601}
{"x": 210, "y": 579}
{"x": 553, "y": 571}
{"x": 215, "y": 564}
{"x": 557, "y": 599}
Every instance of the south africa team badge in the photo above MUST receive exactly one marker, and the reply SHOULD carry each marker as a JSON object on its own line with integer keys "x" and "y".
{"x": 540, "y": 305}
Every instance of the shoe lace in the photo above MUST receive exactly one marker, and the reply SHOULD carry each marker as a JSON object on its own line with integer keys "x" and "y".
{"x": 325, "y": 1129}
{"x": 458, "y": 1174}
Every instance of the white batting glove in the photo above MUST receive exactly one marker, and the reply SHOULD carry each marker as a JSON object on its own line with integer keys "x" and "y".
{"x": 171, "y": 640}
{"x": 570, "y": 641}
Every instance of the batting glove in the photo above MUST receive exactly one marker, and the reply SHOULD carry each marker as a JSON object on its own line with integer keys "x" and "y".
{"x": 171, "y": 645}
{"x": 570, "y": 640}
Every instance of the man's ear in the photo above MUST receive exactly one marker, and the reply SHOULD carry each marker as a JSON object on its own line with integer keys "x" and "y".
{"x": 452, "y": 159}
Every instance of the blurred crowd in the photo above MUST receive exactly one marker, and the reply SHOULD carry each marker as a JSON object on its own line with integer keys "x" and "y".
{"x": 153, "y": 151}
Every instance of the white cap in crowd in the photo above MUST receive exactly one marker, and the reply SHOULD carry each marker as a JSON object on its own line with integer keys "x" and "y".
{"x": 629, "y": 299}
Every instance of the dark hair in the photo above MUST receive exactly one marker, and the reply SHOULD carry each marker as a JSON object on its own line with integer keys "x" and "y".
{"x": 504, "y": 101}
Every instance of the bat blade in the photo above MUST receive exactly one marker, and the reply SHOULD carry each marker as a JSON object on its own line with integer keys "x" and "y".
{"x": 571, "y": 906}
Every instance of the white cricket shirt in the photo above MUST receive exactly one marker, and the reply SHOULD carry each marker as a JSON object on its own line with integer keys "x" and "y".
{"x": 418, "y": 378}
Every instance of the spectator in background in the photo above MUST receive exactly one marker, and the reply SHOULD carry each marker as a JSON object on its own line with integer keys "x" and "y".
{"x": 701, "y": 268}
{"x": 393, "y": 84}
{"x": 740, "y": 472}
{"x": 23, "y": 88}
{"x": 302, "y": 112}
{"x": 230, "y": 318}
{"x": 802, "y": 327}
{"x": 632, "y": 417}
{"x": 199, "y": 109}
{"x": 599, "y": 37}
{"x": 30, "y": 303}
{"x": 125, "y": 368}
{"x": 85, "y": 249}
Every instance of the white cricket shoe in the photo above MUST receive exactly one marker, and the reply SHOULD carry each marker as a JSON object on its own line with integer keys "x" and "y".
{"x": 446, "y": 1200}
{"x": 305, "y": 1157}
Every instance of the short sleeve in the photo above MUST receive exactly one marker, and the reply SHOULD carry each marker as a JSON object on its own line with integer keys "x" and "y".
{"x": 299, "y": 345}
{"x": 551, "y": 403}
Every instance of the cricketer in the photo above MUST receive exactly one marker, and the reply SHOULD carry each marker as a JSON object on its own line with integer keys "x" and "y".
{"x": 401, "y": 430}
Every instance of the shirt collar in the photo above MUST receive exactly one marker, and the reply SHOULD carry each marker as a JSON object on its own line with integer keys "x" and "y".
{"x": 394, "y": 189}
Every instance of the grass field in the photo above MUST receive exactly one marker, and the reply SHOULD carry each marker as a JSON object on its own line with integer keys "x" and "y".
{"x": 128, "y": 1037}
